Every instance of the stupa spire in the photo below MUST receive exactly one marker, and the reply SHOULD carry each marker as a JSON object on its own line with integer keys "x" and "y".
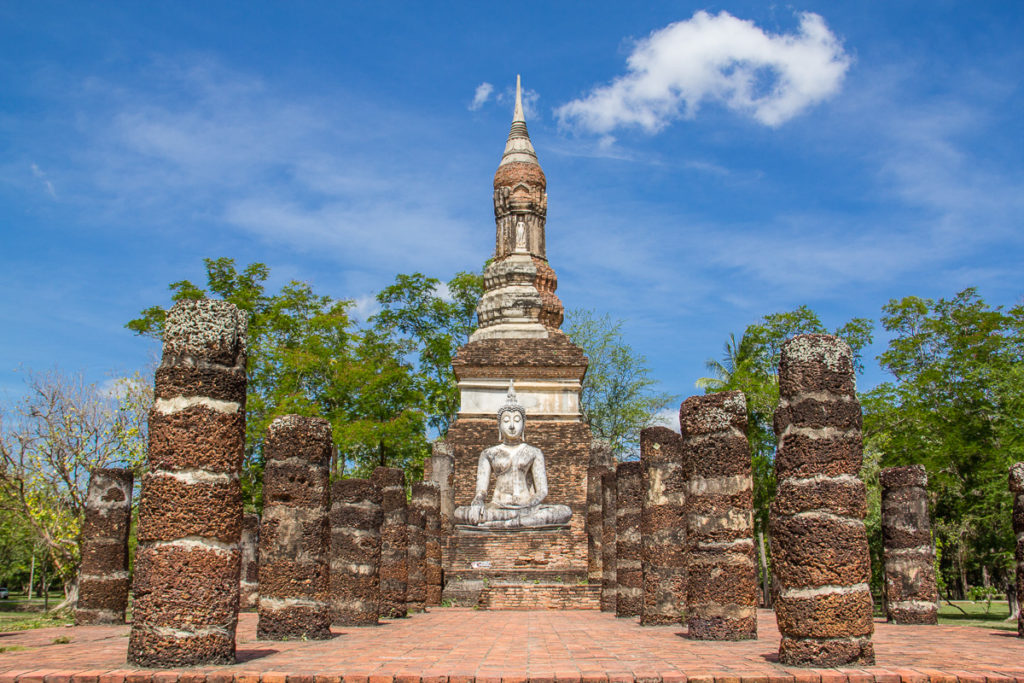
{"x": 519, "y": 148}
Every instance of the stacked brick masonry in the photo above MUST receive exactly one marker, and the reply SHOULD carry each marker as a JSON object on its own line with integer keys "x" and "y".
{"x": 911, "y": 593}
{"x": 1017, "y": 489}
{"x": 103, "y": 575}
{"x": 440, "y": 469}
{"x": 416, "y": 518}
{"x": 248, "y": 586}
{"x": 294, "y": 571}
{"x": 526, "y": 597}
{"x": 609, "y": 581}
{"x": 722, "y": 585}
{"x": 663, "y": 527}
{"x": 356, "y": 517}
{"x": 539, "y": 549}
{"x": 628, "y": 551}
{"x": 819, "y": 544}
{"x": 433, "y": 573}
{"x": 190, "y": 511}
{"x": 601, "y": 462}
{"x": 394, "y": 541}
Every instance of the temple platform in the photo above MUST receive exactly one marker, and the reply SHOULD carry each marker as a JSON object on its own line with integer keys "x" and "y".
{"x": 454, "y": 645}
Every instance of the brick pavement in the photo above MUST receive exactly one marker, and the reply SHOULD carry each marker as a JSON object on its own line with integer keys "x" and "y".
{"x": 469, "y": 646}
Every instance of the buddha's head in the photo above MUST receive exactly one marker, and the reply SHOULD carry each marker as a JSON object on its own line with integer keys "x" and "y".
{"x": 511, "y": 417}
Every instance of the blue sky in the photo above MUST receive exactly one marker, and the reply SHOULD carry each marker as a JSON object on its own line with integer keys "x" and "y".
{"x": 707, "y": 163}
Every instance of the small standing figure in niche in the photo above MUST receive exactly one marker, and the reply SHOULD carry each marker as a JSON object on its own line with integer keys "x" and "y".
{"x": 520, "y": 237}
{"x": 520, "y": 480}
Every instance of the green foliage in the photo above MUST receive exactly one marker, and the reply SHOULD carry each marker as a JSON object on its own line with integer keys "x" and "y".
{"x": 751, "y": 365}
{"x": 955, "y": 406}
{"x": 618, "y": 397}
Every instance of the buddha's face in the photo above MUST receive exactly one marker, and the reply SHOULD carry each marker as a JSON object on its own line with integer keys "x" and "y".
{"x": 511, "y": 424}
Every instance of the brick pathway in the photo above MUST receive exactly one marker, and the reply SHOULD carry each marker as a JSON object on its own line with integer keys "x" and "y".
{"x": 468, "y": 646}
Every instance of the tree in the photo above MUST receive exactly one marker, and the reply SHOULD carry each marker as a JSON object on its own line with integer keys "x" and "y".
{"x": 955, "y": 406}
{"x": 618, "y": 398}
{"x": 50, "y": 442}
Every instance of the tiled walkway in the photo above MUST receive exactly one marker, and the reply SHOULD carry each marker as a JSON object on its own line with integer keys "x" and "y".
{"x": 463, "y": 646}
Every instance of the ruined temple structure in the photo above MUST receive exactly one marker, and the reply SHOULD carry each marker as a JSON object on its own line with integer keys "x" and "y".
{"x": 602, "y": 461}
{"x": 819, "y": 543}
{"x": 609, "y": 555}
{"x": 187, "y": 564}
{"x": 294, "y": 578}
{"x": 394, "y": 541}
{"x": 722, "y": 583}
{"x": 248, "y": 585}
{"x": 103, "y": 575}
{"x": 663, "y": 525}
{"x": 629, "y": 575}
{"x": 911, "y": 594}
{"x": 433, "y": 573}
{"x": 416, "y": 519}
{"x": 356, "y": 517}
{"x": 1017, "y": 489}
{"x": 539, "y": 559}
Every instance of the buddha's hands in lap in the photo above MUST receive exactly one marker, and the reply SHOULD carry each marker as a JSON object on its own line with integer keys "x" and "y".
{"x": 475, "y": 514}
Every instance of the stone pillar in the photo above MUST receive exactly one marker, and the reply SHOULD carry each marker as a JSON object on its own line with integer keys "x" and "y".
{"x": 911, "y": 594}
{"x": 609, "y": 580}
{"x": 440, "y": 469}
{"x": 356, "y": 517}
{"x": 294, "y": 571}
{"x": 249, "y": 594}
{"x": 722, "y": 586}
{"x": 601, "y": 461}
{"x": 394, "y": 541}
{"x": 819, "y": 544}
{"x": 628, "y": 570}
{"x": 432, "y": 568}
{"x": 103, "y": 575}
{"x": 663, "y": 527}
{"x": 1017, "y": 489}
{"x": 416, "y": 519}
{"x": 190, "y": 510}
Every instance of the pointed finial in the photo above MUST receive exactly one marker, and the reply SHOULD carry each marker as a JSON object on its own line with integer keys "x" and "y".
{"x": 518, "y": 115}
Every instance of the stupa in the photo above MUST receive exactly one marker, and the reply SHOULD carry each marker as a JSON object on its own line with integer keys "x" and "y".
{"x": 528, "y": 564}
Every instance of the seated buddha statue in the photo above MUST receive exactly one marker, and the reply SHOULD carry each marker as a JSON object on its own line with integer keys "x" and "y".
{"x": 520, "y": 480}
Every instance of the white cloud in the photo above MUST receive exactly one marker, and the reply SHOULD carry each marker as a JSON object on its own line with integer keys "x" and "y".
{"x": 41, "y": 176}
{"x": 482, "y": 94}
{"x": 530, "y": 97}
{"x": 720, "y": 59}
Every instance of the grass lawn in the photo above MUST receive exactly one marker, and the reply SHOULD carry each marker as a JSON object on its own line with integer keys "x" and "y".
{"x": 19, "y": 614}
{"x": 991, "y": 615}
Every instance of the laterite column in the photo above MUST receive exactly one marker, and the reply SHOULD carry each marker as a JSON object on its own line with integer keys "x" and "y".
{"x": 609, "y": 580}
{"x": 294, "y": 571}
{"x": 819, "y": 544}
{"x": 432, "y": 567}
{"x": 629, "y": 575}
{"x": 249, "y": 595}
{"x": 103, "y": 575}
{"x": 440, "y": 469}
{"x": 394, "y": 541}
{"x": 1017, "y": 489}
{"x": 911, "y": 594}
{"x": 356, "y": 517}
{"x": 416, "y": 585}
{"x": 190, "y": 510}
{"x": 722, "y": 586}
{"x": 601, "y": 461}
{"x": 663, "y": 526}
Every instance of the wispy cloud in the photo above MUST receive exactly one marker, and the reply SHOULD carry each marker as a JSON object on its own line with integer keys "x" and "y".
{"x": 530, "y": 98}
{"x": 482, "y": 94}
{"x": 716, "y": 58}
{"x": 41, "y": 176}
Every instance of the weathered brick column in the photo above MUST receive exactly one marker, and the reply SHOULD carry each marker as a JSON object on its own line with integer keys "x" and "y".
{"x": 911, "y": 594}
{"x": 190, "y": 510}
{"x": 629, "y": 575}
{"x": 663, "y": 526}
{"x": 601, "y": 461}
{"x": 440, "y": 469}
{"x": 609, "y": 580}
{"x": 432, "y": 567}
{"x": 249, "y": 595}
{"x": 294, "y": 571}
{"x": 1017, "y": 488}
{"x": 819, "y": 544}
{"x": 394, "y": 541}
{"x": 356, "y": 517}
{"x": 416, "y": 519}
{"x": 722, "y": 585}
{"x": 103, "y": 575}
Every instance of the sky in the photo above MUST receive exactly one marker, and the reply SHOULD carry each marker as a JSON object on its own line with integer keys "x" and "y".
{"x": 707, "y": 163}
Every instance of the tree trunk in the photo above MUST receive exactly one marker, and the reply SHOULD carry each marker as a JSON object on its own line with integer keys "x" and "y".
{"x": 32, "y": 576}
{"x": 1011, "y": 599}
{"x": 766, "y": 600}
{"x": 383, "y": 457}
